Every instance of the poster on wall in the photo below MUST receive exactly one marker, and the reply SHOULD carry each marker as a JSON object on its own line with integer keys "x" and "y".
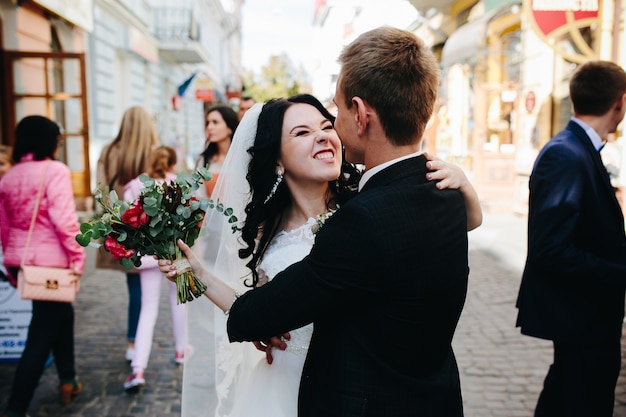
{"x": 15, "y": 315}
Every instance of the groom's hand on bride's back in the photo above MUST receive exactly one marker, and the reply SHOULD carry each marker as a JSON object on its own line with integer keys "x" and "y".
{"x": 267, "y": 345}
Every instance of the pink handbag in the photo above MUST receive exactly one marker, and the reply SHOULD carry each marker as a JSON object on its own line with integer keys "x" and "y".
{"x": 45, "y": 283}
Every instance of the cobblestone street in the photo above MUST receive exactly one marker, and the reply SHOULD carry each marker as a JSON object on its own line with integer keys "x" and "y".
{"x": 501, "y": 371}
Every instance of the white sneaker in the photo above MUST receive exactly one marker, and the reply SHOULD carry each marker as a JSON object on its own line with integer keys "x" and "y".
{"x": 130, "y": 353}
{"x": 133, "y": 383}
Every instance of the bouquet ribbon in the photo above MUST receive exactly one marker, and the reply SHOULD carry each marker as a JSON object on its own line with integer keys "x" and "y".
{"x": 182, "y": 265}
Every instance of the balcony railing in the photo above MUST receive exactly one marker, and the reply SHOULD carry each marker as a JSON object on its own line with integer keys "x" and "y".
{"x": 175, "y": 24}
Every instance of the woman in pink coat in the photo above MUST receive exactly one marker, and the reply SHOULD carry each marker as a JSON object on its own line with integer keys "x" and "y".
{"x": 52, "y": 244}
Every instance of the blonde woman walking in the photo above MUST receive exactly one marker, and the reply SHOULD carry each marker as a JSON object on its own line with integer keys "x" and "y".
{"x": 122, "y": 160}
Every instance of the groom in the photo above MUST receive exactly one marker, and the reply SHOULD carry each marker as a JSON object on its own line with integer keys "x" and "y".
{"x": 386, "y": 280}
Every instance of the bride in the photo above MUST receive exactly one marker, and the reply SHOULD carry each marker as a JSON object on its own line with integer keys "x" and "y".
{"x": 284, "y": 177}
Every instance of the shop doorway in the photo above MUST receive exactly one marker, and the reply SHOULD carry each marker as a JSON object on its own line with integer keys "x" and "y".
{"x": 51, "y": 84}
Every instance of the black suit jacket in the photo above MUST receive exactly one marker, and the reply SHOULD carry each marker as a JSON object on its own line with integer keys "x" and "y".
{"x": 572, "y": 288}
{"x": 384, "y": 285}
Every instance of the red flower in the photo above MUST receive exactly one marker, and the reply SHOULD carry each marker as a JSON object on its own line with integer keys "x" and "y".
{"x": 135, "y": 216}
{"x": 116, "y": 249}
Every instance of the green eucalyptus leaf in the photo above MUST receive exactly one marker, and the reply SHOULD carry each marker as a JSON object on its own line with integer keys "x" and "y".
{"x": 155, "y": 220}
{"x": 123, "y": 236}
{"x": 151, "y": 210}
{"x": 85, "y": 226}
{"x": 83, "y": 240}
{"x": 204, "y": 173}
{"x": 171, "y": 248}
{"x": 127, "y": 263}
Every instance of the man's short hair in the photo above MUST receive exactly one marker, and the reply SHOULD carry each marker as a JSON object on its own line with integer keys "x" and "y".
{"x": 245, "y": 104}
{"x": 395, "y": 73}
{"x": 596, "y": 86}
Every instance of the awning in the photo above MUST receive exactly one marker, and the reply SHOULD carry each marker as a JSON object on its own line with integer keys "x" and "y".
{"x": 465, "y": 42}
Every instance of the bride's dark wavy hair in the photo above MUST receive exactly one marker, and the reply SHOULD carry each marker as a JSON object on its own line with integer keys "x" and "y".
{"x": 262, "y": 220}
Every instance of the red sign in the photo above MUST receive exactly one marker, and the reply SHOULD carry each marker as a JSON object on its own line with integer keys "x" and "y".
{"x": 206, "y": 94}
{"x": 558, "y": 20}
{"x": 550, "y": 15}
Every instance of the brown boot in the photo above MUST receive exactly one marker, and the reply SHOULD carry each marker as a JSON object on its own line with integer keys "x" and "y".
{"x": 68, "y": 391}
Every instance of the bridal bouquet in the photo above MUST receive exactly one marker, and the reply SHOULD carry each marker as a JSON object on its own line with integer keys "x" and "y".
{"x": 163, "y": 213}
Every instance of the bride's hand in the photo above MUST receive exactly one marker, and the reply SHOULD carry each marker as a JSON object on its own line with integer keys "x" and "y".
{"x": 169, "y": 268}
{"x": 266, "y": 346}
{"x": 446, "y": 174}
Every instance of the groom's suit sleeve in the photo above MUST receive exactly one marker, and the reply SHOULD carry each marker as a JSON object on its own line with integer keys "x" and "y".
{"x": 325, "y": 281}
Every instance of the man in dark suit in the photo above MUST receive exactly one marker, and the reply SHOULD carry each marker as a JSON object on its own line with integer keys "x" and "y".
{"x": 386, "y": 280}
{"x": 572, "y": 289}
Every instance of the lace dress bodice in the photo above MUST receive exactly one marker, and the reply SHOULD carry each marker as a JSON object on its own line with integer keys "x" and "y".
{"x": 286, "y": 248}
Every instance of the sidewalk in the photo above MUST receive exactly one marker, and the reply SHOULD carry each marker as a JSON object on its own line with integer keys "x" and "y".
{"x": 100, "y": 340}
{"x": 501, "y": 371}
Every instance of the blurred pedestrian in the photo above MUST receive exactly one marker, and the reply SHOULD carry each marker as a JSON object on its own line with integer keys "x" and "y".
{"x": 572, "y": 289}
{"x": 6, "y": 162}
{"x": 121, "y": 161}
{"x": 245, "y": 104}
{"x": 162, "y": 168}
{"x": 51, "y": 328}
{"x": 220, "y": 124}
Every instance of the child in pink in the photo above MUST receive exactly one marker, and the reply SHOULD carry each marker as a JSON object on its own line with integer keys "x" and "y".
{"x": 163, "y": 163}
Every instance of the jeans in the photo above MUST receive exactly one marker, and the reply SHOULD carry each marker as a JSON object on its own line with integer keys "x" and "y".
{"x": 133, "y": 283}
{"x": 51, "y": 330}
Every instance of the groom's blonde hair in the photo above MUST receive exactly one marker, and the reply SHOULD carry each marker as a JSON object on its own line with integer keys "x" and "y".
{"x": 395, "y": 73}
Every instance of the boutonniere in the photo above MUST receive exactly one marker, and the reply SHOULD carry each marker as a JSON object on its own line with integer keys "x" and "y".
{"x": 320, "y": 220}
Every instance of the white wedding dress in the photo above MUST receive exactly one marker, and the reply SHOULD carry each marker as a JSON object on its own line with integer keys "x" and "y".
{"x": 272, "y": 390}
{"x": 223, "y": 379}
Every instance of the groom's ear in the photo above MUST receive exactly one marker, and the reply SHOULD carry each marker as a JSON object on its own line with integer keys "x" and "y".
{"x": 361, "y": 116}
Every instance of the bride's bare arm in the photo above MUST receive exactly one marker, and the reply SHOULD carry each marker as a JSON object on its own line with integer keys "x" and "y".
{"x": 220, "y": 293}
{"x": 449, "y": 175}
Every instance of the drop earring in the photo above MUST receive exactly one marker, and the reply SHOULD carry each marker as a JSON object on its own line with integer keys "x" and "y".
{"x": 279, "y": 179}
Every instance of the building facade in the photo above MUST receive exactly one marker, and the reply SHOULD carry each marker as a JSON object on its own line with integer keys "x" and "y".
{"x": 505, "y": 72}
{"x": 82, "y": 63}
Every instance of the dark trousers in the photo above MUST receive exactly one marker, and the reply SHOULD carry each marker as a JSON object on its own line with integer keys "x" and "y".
{"x": 51, "y": 330}
{"x": 133, "y": 282}
{"x": 581, "y": 381}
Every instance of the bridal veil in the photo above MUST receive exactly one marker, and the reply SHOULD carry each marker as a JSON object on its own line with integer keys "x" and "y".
{"x": 215, "y": 365}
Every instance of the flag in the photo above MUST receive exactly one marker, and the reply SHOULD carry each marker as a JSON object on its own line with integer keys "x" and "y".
{"x": 183, "y": 87}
